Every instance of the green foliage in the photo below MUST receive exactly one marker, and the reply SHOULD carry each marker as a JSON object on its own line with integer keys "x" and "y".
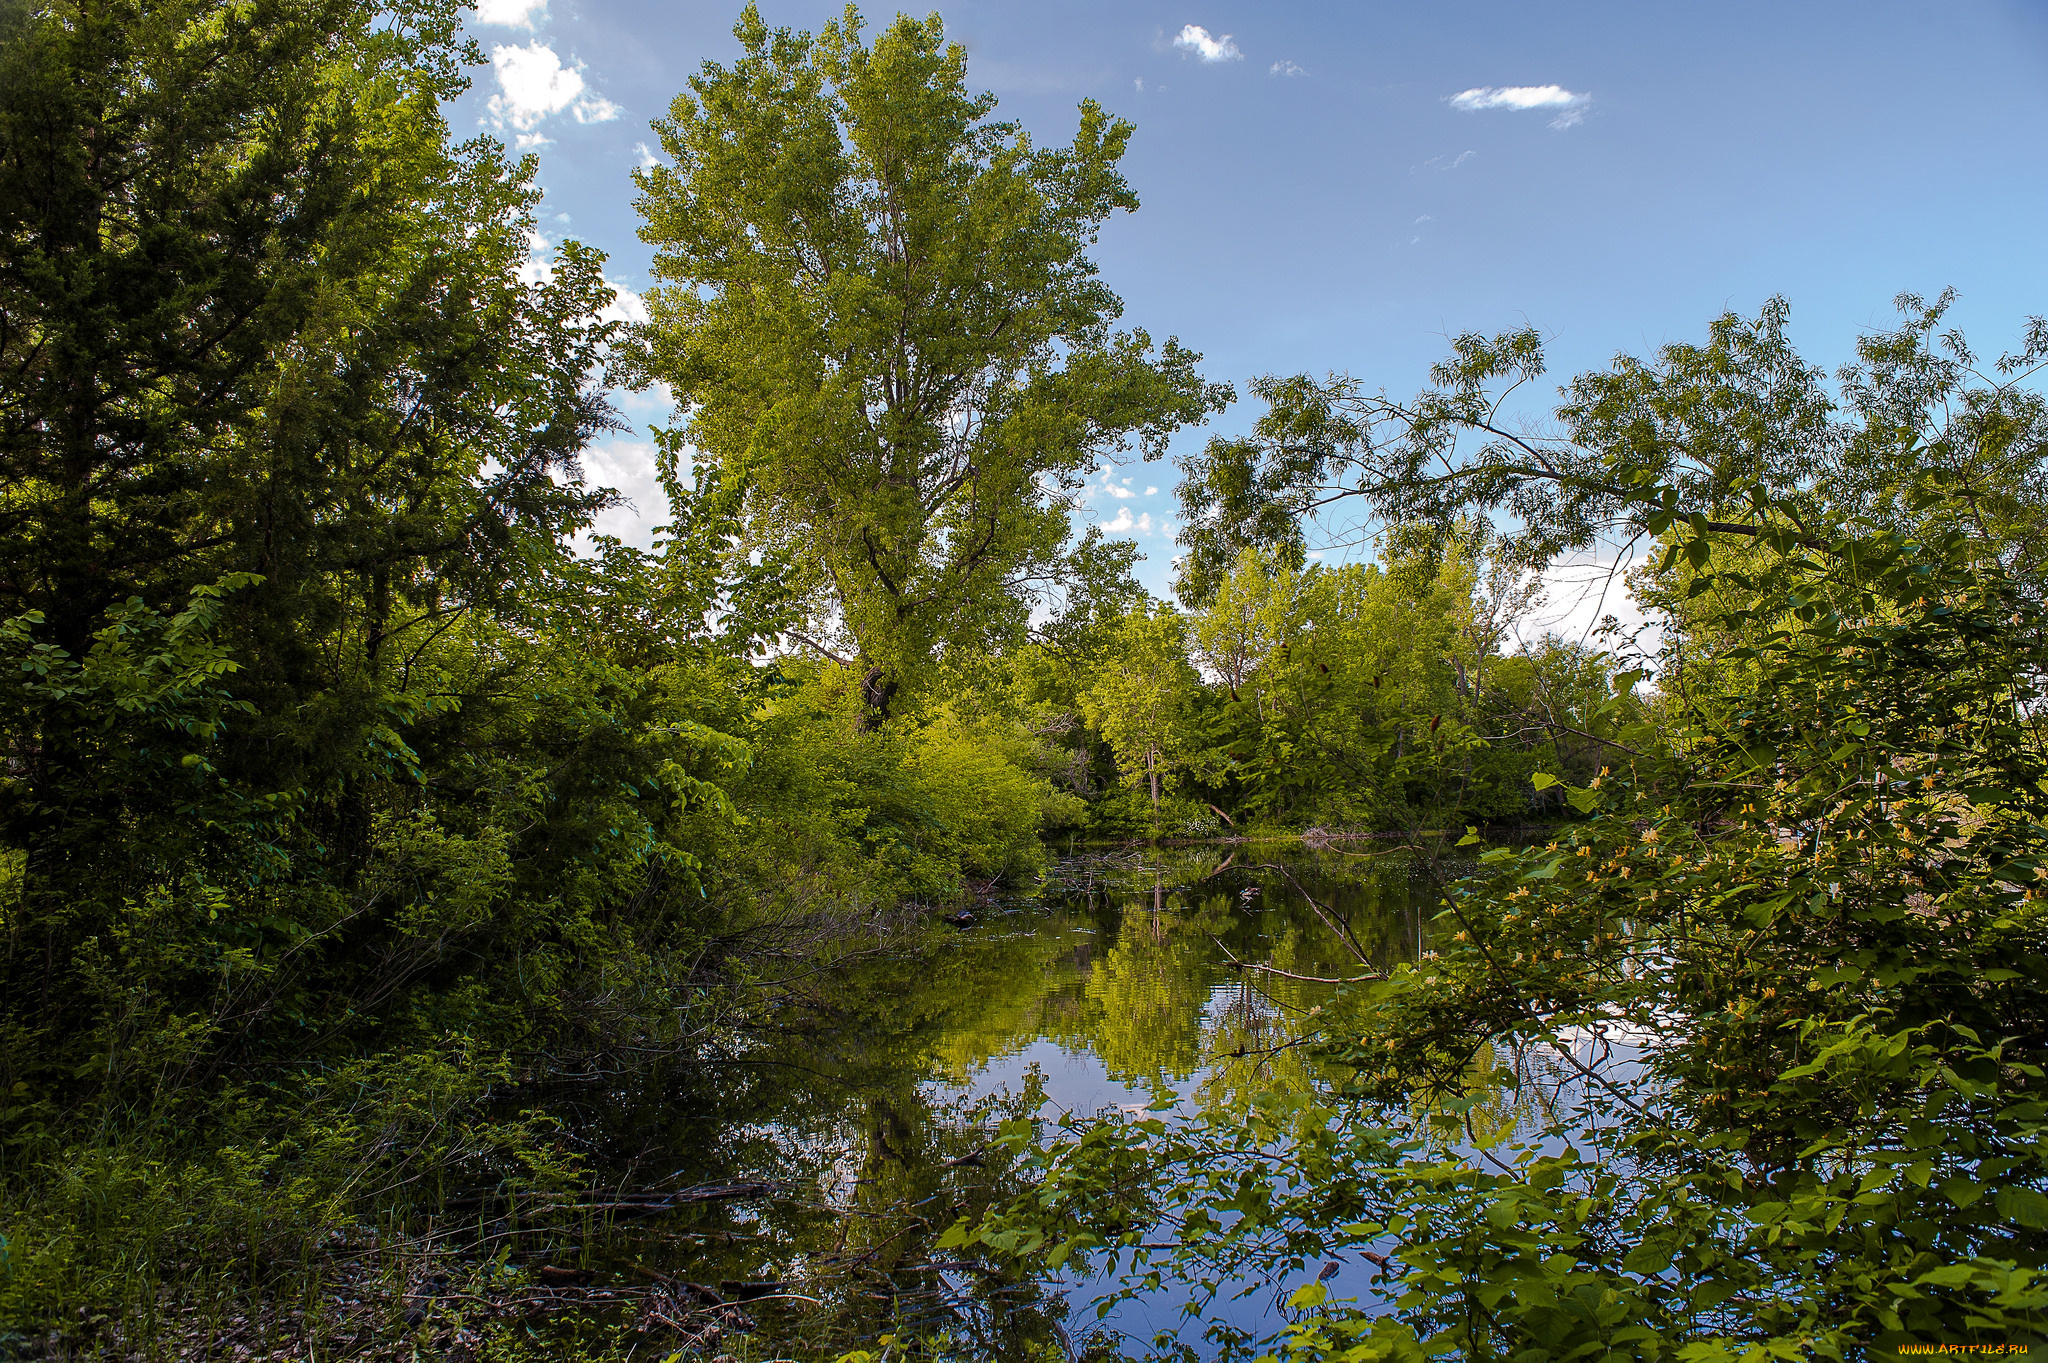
{"x": 832, "y": 810}
{"x": 1341, "y": 690}
{"x": 1358, "y": 696}
{"x": 896, "y": 355}
{"x": 290, "y": 451}
{"x": 1783, "y": 987}
{"x": 342, "y": 798}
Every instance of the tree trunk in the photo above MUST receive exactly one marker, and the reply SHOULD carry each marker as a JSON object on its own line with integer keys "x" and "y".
{"x": 877, "y": 691}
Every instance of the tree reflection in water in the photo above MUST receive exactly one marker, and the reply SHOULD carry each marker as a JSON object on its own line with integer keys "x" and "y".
{"x": 869, "y": 1096}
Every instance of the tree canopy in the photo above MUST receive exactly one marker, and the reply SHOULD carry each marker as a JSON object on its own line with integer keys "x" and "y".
{"x": 895, "y": 358}
{"x": 1704, "y": 424}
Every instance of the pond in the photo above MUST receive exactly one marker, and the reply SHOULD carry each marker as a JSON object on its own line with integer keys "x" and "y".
{"x": 820, "y": 1161}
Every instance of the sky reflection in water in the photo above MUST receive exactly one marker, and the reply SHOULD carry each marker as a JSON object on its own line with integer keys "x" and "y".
{"x": 1135, "y": 1001}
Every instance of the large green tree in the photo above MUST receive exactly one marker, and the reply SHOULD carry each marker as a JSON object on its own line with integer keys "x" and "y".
{"x": 894, "y": 355}
{"x": 259, "y": 317}
{"x": 286, "y": 442}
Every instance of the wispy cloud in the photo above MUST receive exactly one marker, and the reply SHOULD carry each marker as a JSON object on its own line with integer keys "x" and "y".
{"x": 1116, "y": 487}
{"x": 648, "y": 159}
{"x": 1569, "y": 107}
{"x": 533, "y": 85}
{"x": 511, "y": 13}
{"x": 1288, "y": 69}
{"x": 1196, "y": 39}
{"x": 1448, "y": 162}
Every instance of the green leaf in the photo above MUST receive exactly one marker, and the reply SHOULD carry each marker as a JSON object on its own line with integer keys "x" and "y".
{"x": 1313, "y": 1294}
{"x": 2023, "y": 1205}
{"x": 1963, "y": 1192}
{"x": 1713, "y": 1292}
{"x": 1653, "y": 1256}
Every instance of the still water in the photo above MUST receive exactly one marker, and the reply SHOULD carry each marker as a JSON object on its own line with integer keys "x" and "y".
{"x": 857, "y": 1117}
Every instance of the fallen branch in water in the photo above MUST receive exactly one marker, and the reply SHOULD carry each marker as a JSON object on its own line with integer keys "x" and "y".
{"x": 1306, "y": 979}
{"x": 1236, "y": 964}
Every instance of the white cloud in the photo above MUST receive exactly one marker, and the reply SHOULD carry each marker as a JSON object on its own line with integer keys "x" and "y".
{"x": 627, "y": 465}
{"x": 533, "y": 85}
{"x": 1151, "y": 492}
{"x": 1288, "y": 69}
{"x": 1580, "y": 593}
{"x": 1423, "y": 219}
{"x": 1570, "y": 107}
{"x": 626, "y": 306}
{"x": 1139, "y": 85}
{"x": 655, "y": 403}
{"x": 1516, "y": 97}
{"x": 1448, "y": 162}
{"x": 1196, "y": 39}
{"x": 511, "y": 13}
{"x": 1125, "y": 522}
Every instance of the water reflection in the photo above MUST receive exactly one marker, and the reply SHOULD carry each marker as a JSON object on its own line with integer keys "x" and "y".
{"x": 868, "y": 1104}
{"x": 1150, "y": 980}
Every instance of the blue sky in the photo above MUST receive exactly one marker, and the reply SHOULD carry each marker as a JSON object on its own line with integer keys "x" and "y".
{"x": 1318, "y": 196}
